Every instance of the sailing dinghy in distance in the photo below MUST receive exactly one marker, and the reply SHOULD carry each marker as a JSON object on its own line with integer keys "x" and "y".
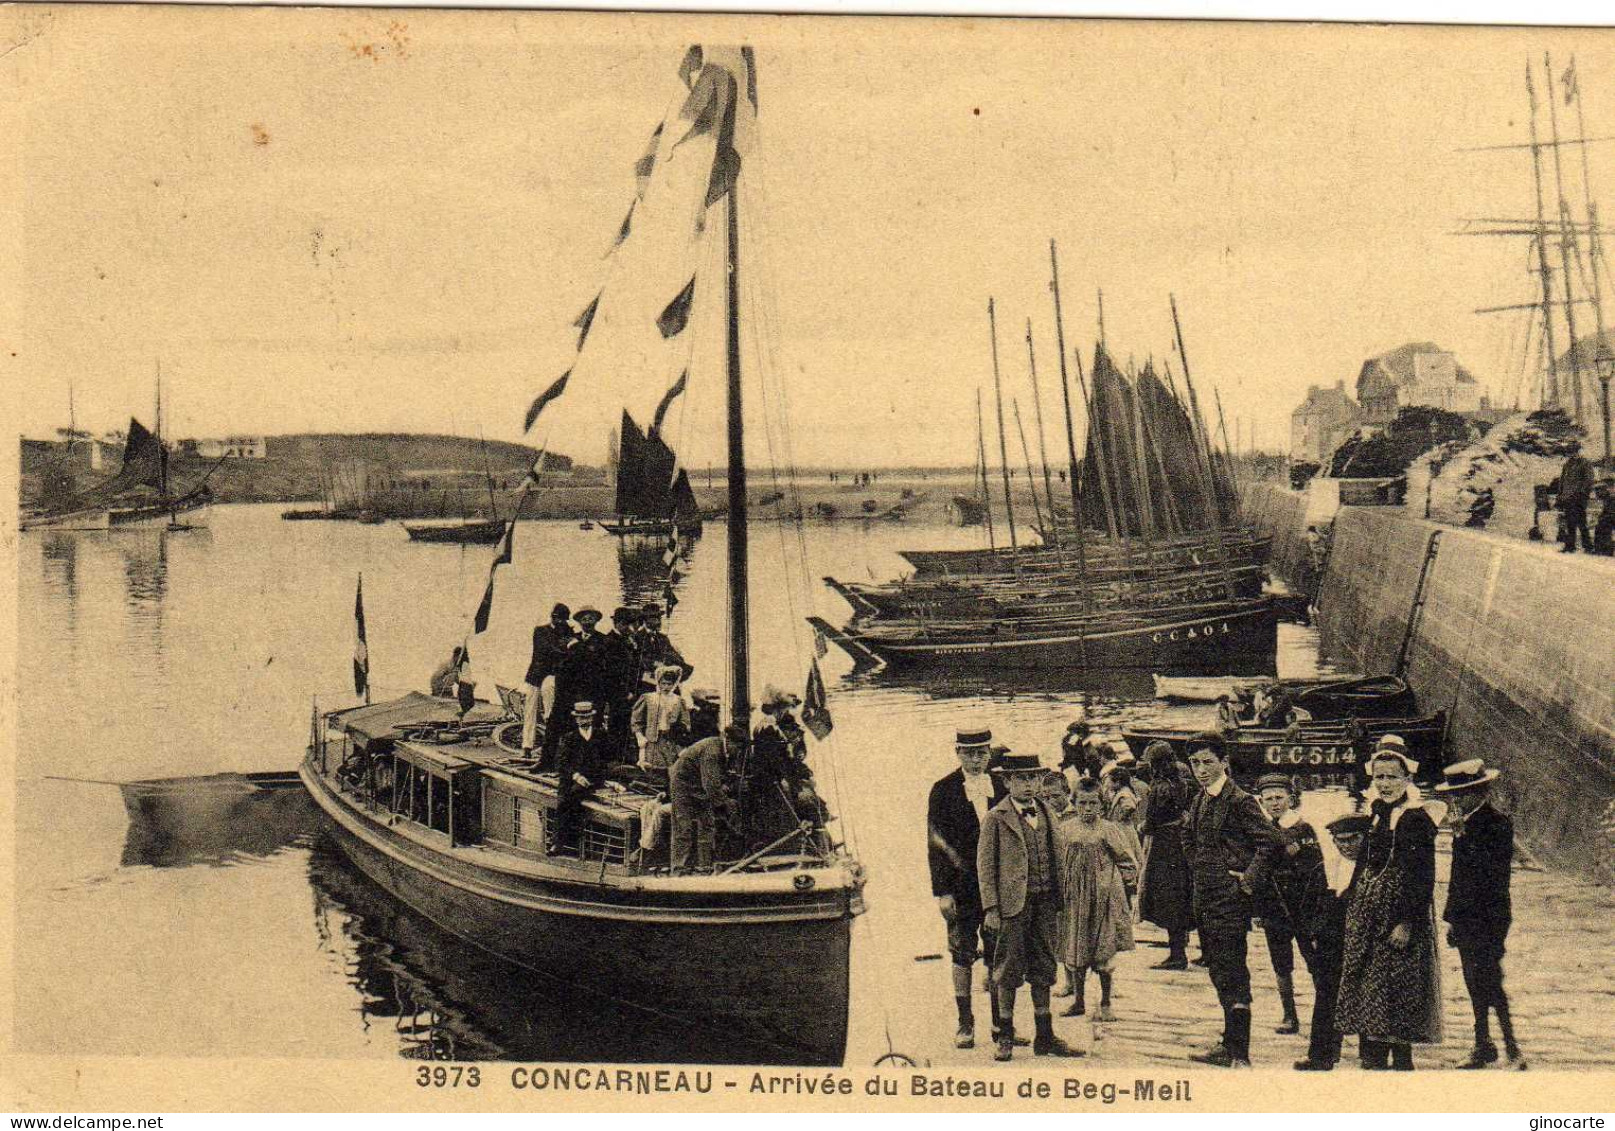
{"x": 425, "y": 798}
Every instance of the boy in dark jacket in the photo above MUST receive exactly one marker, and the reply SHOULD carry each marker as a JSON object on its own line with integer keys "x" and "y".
{"x": 1478, "y": 913}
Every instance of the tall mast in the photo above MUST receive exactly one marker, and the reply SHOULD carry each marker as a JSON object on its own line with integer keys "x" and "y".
{"x": 981, "y": 466}
{"x": 1052, "y": 531}
{"x": 162, "y": 452}
{"x": 1003, "y": 448}
{"x": 1204, "y": 447}
{"x": 1567, "y": 240}
{"x": 1070, "y": 430}
{"x": 1550, "y": 394}
{"x": 1031, "y": 479}
{"x": 739, "y": 627}
{"x": 1595, "y": 250}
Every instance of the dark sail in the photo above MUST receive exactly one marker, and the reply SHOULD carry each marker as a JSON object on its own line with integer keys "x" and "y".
{"x": 684, "y": 505}
{"x": 630, "y": 468}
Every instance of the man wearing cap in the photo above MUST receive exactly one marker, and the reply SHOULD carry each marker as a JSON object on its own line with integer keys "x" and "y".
{"x": 1018, "y": 874}
{"x": 550, "y": 642}
{"x": 698, "y": 796}
{"x": 957, "y": 807}
{"x": 775, "y": 774}
{"x": 1229, "y": 843}
{"x": 704, "y": 712}
{"x": 1479, "y": 912}
{"x": 580, "y": 765}
{"x": 1288, "y": 902}
{"x": 1081, "y": 753}
{"x": 655, "y": 648}
{"x": 622, "y": 645}
{"x": 1349, "y": 834}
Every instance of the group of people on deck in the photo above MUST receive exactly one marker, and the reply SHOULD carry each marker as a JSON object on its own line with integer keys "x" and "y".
{"x": 1038, "y": 870}
{"x": 602, "y": 705}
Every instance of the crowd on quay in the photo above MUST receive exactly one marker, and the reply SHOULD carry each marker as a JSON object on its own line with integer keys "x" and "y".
{"x": 1042, "y": 870}
{"x": 612, "y": 705}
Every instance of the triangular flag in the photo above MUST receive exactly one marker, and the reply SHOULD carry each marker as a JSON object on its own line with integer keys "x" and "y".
{"x": 484, "y": 610}
{"x": 815, "y": 705}
{"x": 669, "y": 598}
{"x": 671, "y": 553}
{"x": 585, "y": 320}
{"x": 690, "y": 65}
{"x": 543, "y": 399}
{"x": 673, "y": 319}
{"x": 725, "y": 168}
{"x": 361, "y": 647}
{"x": 627, "y": 223}
{"x": 646, "y": 165}
{"x": 821, "y": 647}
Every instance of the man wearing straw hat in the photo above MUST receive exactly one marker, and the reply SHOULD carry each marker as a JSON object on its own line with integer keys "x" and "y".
{"x": 583, "y": 755}
{"x": 1018, "y": 873}
{"x": 957, "y": 806}
{"x": 1478, "y": 912}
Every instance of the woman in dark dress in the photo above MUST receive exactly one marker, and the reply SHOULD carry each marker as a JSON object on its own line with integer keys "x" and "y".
{"x": 1390, "y": 981}
{"x": 1165, "y": 897}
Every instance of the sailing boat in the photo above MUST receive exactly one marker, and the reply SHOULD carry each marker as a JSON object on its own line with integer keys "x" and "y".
{"x": 654, "y": 497}
{"x": 139, "y": 495}
{"x": 422, "y": 796}
{"x": 466, "y": 532}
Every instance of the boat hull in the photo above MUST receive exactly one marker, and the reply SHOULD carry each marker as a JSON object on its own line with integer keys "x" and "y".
{"x": 1239, "y": 639}
{"x": 484, "y": 533}
{"x": 1326, "y": 748}
{"x": 779, "y": 983}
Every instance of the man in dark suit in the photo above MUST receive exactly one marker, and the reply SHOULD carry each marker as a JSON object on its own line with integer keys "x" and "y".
{"x": 582, "y": 756}
{"x": 1018, "y": 874}
{"x": 589, "y": 673}
{"x": 1229, "y": 844}
{"x": 1327, "y": 928}
{"x": 1478, "y": 912}
{"x": 958, "y": 804}
{"x": 550, "y": 642}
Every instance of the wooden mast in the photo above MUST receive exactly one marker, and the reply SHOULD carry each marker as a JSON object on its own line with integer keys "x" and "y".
{"x": 1595, "y": 252}
{"x": 1567, "y": 241}
{"x": 1203, "y": 453}
{"x": 739, "y": 698}
{"x": 1070, "y": 433}
{"x": 1550, "y": 395}
{"x": 1031, "y": 479}
{"x": 1052, "y": 531}
{"x": 1003, "y": 447}
{"x": 981, "y": 482}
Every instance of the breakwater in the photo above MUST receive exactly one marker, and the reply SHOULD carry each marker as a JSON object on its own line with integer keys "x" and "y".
{"x": 1515, "y": 641}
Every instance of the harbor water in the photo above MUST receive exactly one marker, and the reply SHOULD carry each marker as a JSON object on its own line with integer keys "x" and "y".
{"x": 170, "y": 653}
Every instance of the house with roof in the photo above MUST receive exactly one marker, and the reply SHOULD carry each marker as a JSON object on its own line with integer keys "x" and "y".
{"x": 1418, "y": 373}
{"x": 1320, "y": 422}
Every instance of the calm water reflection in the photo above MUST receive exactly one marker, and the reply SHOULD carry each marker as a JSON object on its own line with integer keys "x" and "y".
{"x": 158, "y": 654}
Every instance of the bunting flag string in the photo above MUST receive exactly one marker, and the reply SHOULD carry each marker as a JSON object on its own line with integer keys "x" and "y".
{"x": 667, "y": 400}
{"x": 676, "y": 316}
{"x": 622, "y": 233}
{"x": 503, "y": 557}
{"x": 646, "y": 165}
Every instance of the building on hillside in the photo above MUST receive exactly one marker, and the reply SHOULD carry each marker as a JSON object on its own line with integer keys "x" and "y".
{"x": 1419, "y": 373}
{"x": 1318, "y": 424}
{"x": 236, "y": 447}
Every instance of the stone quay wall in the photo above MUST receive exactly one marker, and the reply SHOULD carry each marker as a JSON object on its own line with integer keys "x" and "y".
{"x": 1515, "y": 641}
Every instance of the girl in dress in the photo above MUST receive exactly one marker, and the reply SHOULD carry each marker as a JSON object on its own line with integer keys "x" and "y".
{"x": 1098, "y": 865}
{"x": 1390, "y": 983}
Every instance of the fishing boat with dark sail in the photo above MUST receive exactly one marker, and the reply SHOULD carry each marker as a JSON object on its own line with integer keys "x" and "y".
{"x": 139, "y": 495}
{"x": 427, "y": 798}
{"x": 1153, "y": 570}
{"x": 654, "y": 496}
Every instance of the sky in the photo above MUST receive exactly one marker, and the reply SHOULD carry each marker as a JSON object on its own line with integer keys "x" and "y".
{"x": 335, "y": 220}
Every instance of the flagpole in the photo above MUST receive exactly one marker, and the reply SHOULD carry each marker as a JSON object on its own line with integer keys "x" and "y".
{"x": 1070, "y": 433}
{"x": 739, "y": 627}
{"x": 1042, "y": 444}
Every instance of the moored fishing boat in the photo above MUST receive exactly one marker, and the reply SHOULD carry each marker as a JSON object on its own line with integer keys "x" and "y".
{"x": 1339, "y": 746}
{"x": 425, "y": 799}
{"x": 474, "y": 532}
